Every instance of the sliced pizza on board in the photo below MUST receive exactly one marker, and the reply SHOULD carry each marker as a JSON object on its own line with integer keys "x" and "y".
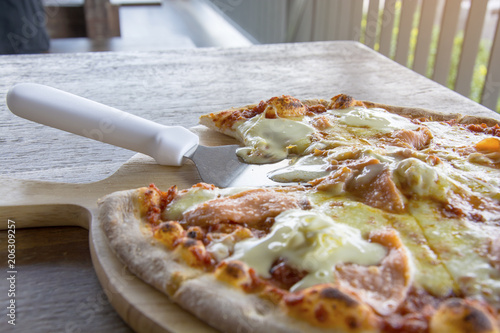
{"x": 393, "y": 226}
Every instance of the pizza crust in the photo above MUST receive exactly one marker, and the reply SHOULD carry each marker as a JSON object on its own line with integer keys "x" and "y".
{"x": 231, "y": 310}
{"x": 136, "y": 248}
{"x": 459, "y": 316}
{"x": 210, "y": 120}
{"x": 436, "y": 116}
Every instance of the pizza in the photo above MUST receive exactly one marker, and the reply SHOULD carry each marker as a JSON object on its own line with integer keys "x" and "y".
{"x": 392, "y": 223}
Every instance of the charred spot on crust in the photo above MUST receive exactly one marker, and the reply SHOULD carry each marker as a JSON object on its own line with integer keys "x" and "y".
{"x": 195, "y": 233}
{"x": 236, "y": 273}
{"x": 284, "y": 106}
{"x": 188, "y": 242}
{"x": 169, "y": 233}
{"x": 235, "y": 270}
{"x": 335, "y": 294}
{"x": 342, "y": 101}
{"x": 168, "y": 227}
{"x": 470, "y": 315}
{"x": 287, "y": 101}
{"x": 352, "y": 322}
{"x": 321, "y": 314}
{"x": 477, "y": 320}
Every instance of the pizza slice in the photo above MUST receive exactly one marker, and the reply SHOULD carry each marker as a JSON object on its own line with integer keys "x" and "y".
{"x": 393, "y": 226}
{"x": 219, "y": 249}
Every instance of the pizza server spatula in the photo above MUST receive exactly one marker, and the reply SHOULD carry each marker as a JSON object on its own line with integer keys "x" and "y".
{"x": 168, "y": 145}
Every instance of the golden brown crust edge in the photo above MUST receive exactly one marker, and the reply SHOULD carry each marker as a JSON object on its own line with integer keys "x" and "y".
{"x": 229, "y": 309}
{"x": 210, "y": 120}
{"x": 462, "y": 316}
{"x": 433, "y": 115}
{"x": 118, "y": 217}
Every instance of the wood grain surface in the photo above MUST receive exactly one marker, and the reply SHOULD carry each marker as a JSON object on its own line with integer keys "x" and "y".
{"x": 175, "y": 87}
{"x": 34, "y": 204}
{"x": 57, "y": 286}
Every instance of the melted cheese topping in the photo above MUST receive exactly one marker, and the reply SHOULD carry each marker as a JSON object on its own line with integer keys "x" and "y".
{"x": 461, "y": 246}
{"x": 309, "y": 241}
{"x": 305, "y": 168}
{"x": 422, "y": 179}
{"x": 269, "y": 140}
{"x": 221, "y": 248}
{"x": 429, "y": 272}
{"x": 454, "y": 136}
{"x": 377, "y": 119}
{"x": 448, "y": 163}
{"x": 190, "y": 198}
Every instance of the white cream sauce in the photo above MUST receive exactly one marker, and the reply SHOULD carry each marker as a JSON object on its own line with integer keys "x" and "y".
{"x": 269, "y": 140}
{"x": 375, "y": 118}
{"x": 310, "y": 241}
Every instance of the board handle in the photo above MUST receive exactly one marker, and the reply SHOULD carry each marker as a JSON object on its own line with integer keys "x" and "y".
{"x": 81, "y": 116}
{"x": 44, "y": 215}
{"x": 32, "y": 204}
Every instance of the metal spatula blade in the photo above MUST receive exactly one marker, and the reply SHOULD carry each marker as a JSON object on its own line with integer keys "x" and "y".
{"x": 232, "y": 172}
{"x": 168, "y": 145}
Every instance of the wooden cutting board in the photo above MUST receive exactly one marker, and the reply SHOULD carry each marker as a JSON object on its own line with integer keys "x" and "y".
{"x": 42, "y": 204}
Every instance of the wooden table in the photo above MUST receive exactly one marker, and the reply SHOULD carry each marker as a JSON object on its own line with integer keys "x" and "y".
{"x": 57, "y": 289}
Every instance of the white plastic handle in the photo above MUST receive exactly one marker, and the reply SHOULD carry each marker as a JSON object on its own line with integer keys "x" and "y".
{"x": 78, "y": 115}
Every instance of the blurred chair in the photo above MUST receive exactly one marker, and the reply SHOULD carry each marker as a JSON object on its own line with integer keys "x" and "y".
{"x": 22, "y": 27}
{"x": 94, "y": 19}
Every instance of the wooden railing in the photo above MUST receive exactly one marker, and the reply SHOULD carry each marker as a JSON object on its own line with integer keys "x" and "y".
{"x": 420, "y": 34}
{"x": 95, "y": 19}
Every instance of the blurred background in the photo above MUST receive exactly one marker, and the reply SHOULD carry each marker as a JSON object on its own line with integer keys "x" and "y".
{"x": 453, "y": 42}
